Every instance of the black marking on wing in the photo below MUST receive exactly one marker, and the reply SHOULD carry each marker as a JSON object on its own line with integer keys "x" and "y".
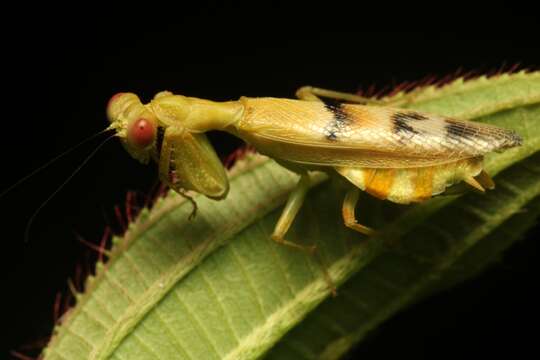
{"x": 338, "y": 123}
{"x": 159, "y": 140}
{"x": 413, "y": 115}
{"x": 498, "y": 138}
{"x": 458, "y": 130}
{"x": 401, "y": 123}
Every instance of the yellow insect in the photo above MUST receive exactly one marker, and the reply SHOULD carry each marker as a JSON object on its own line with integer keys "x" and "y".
{"x": 395, "y": 154}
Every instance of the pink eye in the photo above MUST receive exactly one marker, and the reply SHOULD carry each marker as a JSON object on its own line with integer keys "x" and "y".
{"x": 113, "y": 98}
{"x": 142, "y": 133}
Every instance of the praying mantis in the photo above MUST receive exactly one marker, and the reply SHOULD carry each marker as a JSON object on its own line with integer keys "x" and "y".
{"x": 395, "y": 154}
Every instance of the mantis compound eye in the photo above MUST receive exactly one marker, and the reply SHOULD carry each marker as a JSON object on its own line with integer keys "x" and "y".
{"x": 114, "y": 98}
{"x": 141, "y": 133}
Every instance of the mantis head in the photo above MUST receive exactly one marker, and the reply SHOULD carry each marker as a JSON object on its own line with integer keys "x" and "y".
{"x": 135, "y": 125}
{"x": 186, "y": 158}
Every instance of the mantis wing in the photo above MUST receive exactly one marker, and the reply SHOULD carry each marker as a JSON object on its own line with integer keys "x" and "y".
{"x": 312, "y": 132}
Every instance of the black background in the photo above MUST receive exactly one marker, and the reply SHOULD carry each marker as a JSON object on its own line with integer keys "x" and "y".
{"x": 60, "y": 71}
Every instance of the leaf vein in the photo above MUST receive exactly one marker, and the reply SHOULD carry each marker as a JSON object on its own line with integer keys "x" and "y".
{"x": 196, "y": 321}
{"x": 248, "y": 281}
{"x": 220, "y": 304}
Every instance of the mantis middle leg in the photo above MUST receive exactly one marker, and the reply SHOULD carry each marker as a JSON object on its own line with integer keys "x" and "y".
{"x": 293, "y": 205}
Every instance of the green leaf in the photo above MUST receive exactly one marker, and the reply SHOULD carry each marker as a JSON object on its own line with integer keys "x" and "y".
{"x": 218, "y": 287}
{"x": 463, "y": 238}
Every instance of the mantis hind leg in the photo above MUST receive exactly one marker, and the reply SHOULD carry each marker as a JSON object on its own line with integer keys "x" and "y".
{"x": 348, "y": 212}
{"x": 315, "y": 94}
{"x": 311, "y": 93}
{"x": 293, "y": 205}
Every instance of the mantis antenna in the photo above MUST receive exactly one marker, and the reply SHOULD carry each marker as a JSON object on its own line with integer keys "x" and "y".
{"x": 52, "y": 161}
{"x": 36, "y": 212}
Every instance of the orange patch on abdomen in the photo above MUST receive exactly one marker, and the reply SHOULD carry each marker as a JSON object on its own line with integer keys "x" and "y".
{"x": 379, "y": 182}
{"x": 422, "y": 181}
